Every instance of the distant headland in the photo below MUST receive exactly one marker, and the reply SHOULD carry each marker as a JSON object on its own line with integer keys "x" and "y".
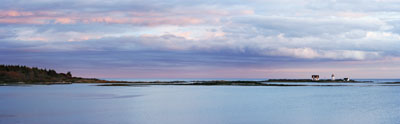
{"x": 33, "y": 75}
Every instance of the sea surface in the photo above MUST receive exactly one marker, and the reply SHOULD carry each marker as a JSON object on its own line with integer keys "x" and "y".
{"x": 184, "y": 79}
{"x": 226, "y": 79}
{"x": 171, "y": 104}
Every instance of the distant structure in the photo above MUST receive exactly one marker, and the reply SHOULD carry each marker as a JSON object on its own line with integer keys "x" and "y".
{"x": 333, "y": 77}
{"x": 315, "y": 77}
{"x": 346, "y": 79}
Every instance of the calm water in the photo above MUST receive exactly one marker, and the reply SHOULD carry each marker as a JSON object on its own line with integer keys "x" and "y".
{"x": 184, "y": 79}
{"x": 226, "y": 79}
{"x": 88, "y": 104}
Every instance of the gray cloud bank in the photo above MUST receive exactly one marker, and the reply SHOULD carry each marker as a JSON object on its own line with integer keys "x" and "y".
{"x": 203, "y": 33}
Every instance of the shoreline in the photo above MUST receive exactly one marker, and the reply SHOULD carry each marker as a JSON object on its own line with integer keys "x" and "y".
{"x": 273, "y": 82}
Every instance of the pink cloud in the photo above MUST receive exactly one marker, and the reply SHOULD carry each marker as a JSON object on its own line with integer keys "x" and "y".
{"x": 64, "y": 21}
{"x": 13, "y": 13}
{"x": 149, "y": 18}
{"x": 48, "y": 17}
{"x": 166, "y": 21}
{"x": 34, "y": 39}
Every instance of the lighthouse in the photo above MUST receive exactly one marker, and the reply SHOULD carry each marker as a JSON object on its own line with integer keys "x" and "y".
{"x": 333, "y": 77}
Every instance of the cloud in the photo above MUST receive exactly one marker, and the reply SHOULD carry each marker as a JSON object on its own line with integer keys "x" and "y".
{"x": 326, "y": 54}
{"x": 64, "y": 21}
{"x": 310, "y": 26}
{"x": 258, "y": 46}
{"x": 13, "y": 13}
{"x": 204, "y": 34}
{"x": 63, "y": 18}
{"x": 4, "y": 34}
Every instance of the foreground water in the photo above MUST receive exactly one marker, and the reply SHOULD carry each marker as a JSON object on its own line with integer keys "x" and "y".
{"x": 167, "y": 104}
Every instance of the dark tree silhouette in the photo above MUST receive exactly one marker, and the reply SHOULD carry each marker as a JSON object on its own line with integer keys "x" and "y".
{"x": 34, "y": 75}
{"x": 17, "y": 73}
{"x": 69, "y": 74}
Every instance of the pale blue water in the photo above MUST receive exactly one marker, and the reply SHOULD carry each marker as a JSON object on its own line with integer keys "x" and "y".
{"x": 156, "y": 104}
{"x": 184, "y": 79}
{"x": 226, "y": 79}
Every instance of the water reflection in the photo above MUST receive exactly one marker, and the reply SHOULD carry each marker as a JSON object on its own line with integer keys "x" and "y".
{"x": 82, "y": 103}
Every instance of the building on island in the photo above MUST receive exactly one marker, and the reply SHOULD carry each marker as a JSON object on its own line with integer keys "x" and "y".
{"x": 333, "y": 78}
{"x": 315, "y": 77}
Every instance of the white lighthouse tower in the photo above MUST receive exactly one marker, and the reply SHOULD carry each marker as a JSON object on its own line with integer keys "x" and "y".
{"x": 333, "y": 77}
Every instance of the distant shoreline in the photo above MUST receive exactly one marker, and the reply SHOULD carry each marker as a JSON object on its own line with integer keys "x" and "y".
{"x": 271, "y": 82}
{"x": 23, "y": 75}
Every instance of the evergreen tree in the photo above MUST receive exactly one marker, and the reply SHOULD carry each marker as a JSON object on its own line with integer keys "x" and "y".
{"x": 69, "y": 74}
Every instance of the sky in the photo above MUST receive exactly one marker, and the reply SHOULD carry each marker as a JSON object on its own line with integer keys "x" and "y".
{"x": 204, "y": 38}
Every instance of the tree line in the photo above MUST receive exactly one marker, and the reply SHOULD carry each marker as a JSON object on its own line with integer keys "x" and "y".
{"x": 19, "y": 73}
